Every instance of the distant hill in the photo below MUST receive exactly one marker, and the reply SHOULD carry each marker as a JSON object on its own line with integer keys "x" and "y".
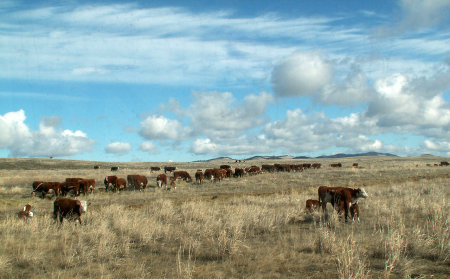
{"x": 343, "y": 155}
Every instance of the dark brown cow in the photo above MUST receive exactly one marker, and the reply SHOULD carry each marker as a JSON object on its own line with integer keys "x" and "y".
{"x": 444, "y": 164}
{"x": 268, "y": 168}
{"x": 336, "y": 165}
{"x": 342, "y": 197}
{"x": 316, "y": 165}
{"x": 209, "y": 174}
{"x": 169, "y": 169}
{"x": 86, "y": 186}
{"x": 69, "y": 209}
{"x": 26, "y": 213}
{"x": 96, "y": 167}
{"x": 36, "y": 183}
{"x": 161, "y": 179}
{"x": 110, "y": 182}
{"x": 137, "y": 181}
{"x": 312, "y": 205}
{"x": 283, "y": 167}
{"x": 155, "y": 168}
{"x": 224, "y": 167}
{"x": 296, "y": 168}
{"x": 219, "y": 174}
{"x": 184, "y": 175}
{"x": 114, "y": 168}
{"x": 307, "y": 165}
{"x": 45, "y": 187}
{"x": 253, "y": 170}
{"x": 355, "y": 165}
{"x": 229, "y": 173}
{"x": 199, "y": 177}
{"x": 121, "y": 184}
{"x": 238, "y": 172}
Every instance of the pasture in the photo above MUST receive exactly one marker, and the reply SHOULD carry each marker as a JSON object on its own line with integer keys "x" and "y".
{"x": 249, "y": 227}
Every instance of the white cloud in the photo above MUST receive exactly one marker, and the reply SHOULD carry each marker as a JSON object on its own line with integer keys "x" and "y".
{"x": 203, "y": 146}
{"x": 120, "y": 148}
{"x": 162, "y": 128}
{"x": 47, "y": 141}
{"x": 149, "y": 147}
{"x": 301, "y": 74}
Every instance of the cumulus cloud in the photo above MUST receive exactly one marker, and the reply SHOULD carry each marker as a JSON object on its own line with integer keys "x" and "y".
{"x": 301, "y": 74}
{"x": 48, "y": 141}
{"x": 149, "y": 147}
{"x": 120, "y": 148}
{"x": 203, "y": 146}
{"x": 161, "y": 128}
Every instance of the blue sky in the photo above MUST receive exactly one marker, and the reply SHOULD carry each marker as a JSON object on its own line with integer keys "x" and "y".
{"x": 192, "y": 80}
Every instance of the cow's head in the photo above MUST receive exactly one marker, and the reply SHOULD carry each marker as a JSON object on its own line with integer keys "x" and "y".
{"x": 361, "y": 193}
{"x": 84, "y": 206}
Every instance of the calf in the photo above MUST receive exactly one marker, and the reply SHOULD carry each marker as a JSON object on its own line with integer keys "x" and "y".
{"x": 68, "y": 208}
{"x": 25, "y": 213}
{"x": 199, "y": 177}
{"x": 161, "y": 179}
{"x": 312, "y": 205}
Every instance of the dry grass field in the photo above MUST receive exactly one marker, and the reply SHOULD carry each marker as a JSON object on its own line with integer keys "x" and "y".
{"x": 250, "y": 227}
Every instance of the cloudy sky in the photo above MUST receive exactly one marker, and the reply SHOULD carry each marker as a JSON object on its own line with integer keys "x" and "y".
{"x": 191, "y": 80}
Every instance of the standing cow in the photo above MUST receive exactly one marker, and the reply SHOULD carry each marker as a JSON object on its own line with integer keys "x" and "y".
{"x": 137, "y": 181}
{"x": 161, "y": 179}
{"x": 68, "y": 208}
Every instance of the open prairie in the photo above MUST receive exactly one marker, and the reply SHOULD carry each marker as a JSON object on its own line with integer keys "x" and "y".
{"x": 250, "y": 227}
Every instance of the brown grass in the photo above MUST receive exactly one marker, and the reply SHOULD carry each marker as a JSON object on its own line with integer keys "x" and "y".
{"x": 252, "y": 227}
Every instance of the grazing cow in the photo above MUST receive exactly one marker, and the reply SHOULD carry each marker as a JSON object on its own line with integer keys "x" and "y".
{"x": 69, "y": 209}
{"x": 316, "y": 165}
{"x": 121, "y": 184}
{"x": 342, "y": 197}
{"x": 209, "y": 174}
{"x": 96, "y": 167}
{"x": 355, "y": 165}
{"x": 336, "y": 165}
{"x": 229, "y": 173}
{"x": 45, "y": 187}
{"x": 86, "y": 186}
{"x": 25, "y": 213}
{"x": 443, "y": 163}
{"x": 199, "y": 177}
{"x": 114, "y": 168}
{"x": 161, "y": 179}
{"x": 267, "y": 168}
{"x": 172, "y": 183}
{"x": 169, "y": 169}
{"x": 155, "y": 169}
{"x": 238, "y": 172}
{"x": 312, "y": 205}
{"x": 307, "y": 165}
{"x": 224, "y": 167}
{"x": 283, "y": 167}
{"x": 137, "y": 181}
{"x": 110, "y": 182}
{"x": 184, "y": 175}
{"x": 219, "y": 174}
{"x": 36, "y": 183}
{"x": 253, "y": 170}
{"x": 296, "y": 168}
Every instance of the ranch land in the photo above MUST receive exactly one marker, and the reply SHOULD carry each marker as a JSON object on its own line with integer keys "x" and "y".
{"x": 253, "y": 226}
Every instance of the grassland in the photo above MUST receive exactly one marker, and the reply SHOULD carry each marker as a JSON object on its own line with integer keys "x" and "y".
{"x": 250, "y": 227}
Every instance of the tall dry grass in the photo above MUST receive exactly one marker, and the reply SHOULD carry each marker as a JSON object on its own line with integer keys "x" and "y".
{"x": 253, "y": 227}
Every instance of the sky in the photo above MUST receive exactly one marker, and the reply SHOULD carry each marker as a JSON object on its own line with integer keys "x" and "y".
{"x": 194, "y": 80}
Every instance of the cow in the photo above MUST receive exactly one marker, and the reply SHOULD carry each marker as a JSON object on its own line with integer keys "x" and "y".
{"x": 26, "y": 213}
{"x": 316, "y": 165}
{"x": 114, "y": 168}
{"x": 96, "y": 167}
{"x": 355, "y": 165}
{"x": 199, "y": 177}
{"x": 69, "y": 209}
{"x": 86, "y": 185}
{"x": 296, "y": 168}
{"x": 229, "y": 173}
{"x": 110, "y": 182}
{"x": 443, "y": 164}
{"x": 172, "y": 183}
{"x": 283, "y": 167}
{"x": 219, "y": 174}
{"x": 341, "y": 197}
{"x": 267, "y": 168}
{"x": 306, "y": 165}
{"x": 253, "y": 170}
{"x": 121, "y": 184}
{"x": 152, "y": 169}
{"x": 224, "y": 167}
{"x": 137, "y": 181}
{"x": 184, "y": 175}
{"x": 336, "y": 165}
{"x": 169, "y": 169}
{"x": 312, "y": 205}
{"x": 239, "y": 172}
{"x": 161, "y": 179}
{"x": 45, "y": 187}
{"x": 209, "y": 174}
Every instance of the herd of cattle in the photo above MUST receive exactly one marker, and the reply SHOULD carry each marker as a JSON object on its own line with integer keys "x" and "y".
{"x": 341, "y": 198}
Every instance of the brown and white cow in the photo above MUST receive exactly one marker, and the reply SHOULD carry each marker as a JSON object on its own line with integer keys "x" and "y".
{"x": 137, "y": 181}
{"x": 341, "y": 197}
{"x": 26, "y": 213}
{"x": 86, "y": 185}
{"x": 121, "y": 184}
{"x": 336, "y": 165}
{"x": 110, "y": 182}
{"x": 219, "y": 174}
{"x": 161, "y": 179}
{"x": 184, "y": 175}
{"x": 45, "y": 187}
{"x": 253, "y": 170}
{"x": 312, "y": 205}
{"x": 199, "y": 177}
{"x": 169, "y": 169}
{"x": 239, "y": 172}
{"x": 70, "y": 209}
{"x": 209, "y": 174}
{"x": 114, "y": 168}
